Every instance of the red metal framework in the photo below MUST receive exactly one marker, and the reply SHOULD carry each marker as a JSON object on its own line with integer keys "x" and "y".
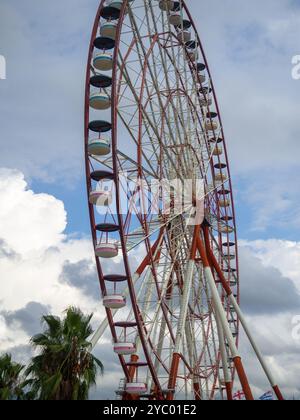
{"x": 172, "y": 297}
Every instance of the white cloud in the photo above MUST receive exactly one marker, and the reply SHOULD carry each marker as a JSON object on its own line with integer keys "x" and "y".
{"x": 281, "y": 254}
{"x": 40, "y": 218}
{"x": 34, "y": 251}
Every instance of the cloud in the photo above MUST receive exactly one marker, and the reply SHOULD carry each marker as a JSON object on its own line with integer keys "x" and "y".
{"x": 6, "y": 252}
{"x": 281, "y": 254}
{"x": 40, "y": 217}
{"x": 33, "y": 252}
{"x": 28, "y": 318}
{"x": 264, "y": 290}
{"x": 22, "y": 353}
{"x": 81, "y": 275}
{"x": 271, "y": 204}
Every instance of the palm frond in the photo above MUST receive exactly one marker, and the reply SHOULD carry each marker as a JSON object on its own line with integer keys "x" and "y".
{"x": 64, "y": 368}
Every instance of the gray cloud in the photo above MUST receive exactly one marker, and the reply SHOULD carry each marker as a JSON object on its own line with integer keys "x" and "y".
{"x": 22, "y": 353}
{"x": 263, "y": 289}
{"x": 29, "y": 318}
{"x": 83, "y": 276}
{"x": 6, "y": 252}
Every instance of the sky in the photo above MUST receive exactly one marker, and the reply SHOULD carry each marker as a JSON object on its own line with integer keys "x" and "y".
{"x": 46, "y": 257}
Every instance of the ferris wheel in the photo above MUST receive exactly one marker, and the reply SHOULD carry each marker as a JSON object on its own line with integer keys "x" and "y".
{"x": 169, "y": 280}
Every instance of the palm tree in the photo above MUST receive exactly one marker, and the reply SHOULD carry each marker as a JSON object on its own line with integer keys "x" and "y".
{"x": 64, "y": 369}
{"x": 11, "y": 381}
